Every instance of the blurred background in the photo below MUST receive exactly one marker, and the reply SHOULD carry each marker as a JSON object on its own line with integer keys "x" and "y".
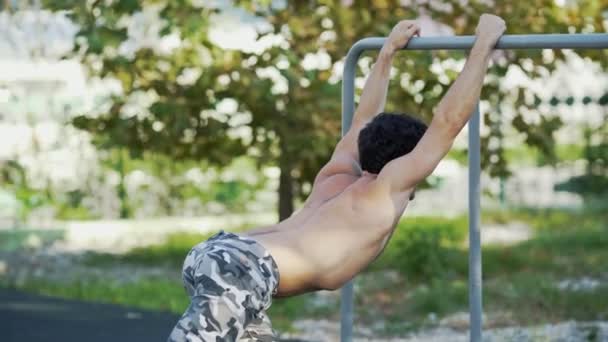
{"x": 132, "y": 130}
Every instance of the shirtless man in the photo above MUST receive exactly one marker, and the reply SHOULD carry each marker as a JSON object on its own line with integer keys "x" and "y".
{"x": 356, "y": 202}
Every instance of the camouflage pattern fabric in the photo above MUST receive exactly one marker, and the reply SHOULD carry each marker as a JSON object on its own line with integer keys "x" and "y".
{"x": 230, "y": 281}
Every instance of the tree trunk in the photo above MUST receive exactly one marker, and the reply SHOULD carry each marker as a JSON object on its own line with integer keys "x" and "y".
{"x": 285, "y": 186}
{"x": 122, "y": 191}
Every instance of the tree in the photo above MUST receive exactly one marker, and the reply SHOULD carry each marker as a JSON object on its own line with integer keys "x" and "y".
{"x": 307, "y": 113}
{"x": 295, "y": 127}
{"x": 177, "y": 81}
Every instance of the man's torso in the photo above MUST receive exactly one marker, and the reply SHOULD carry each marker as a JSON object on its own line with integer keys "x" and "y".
{"x": 344, "y": 224}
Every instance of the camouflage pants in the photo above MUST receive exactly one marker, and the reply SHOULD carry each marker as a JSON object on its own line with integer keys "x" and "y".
{"x": 230, "y": 281}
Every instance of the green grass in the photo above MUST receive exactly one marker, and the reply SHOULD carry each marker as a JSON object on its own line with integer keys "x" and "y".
{"x": 154, "y": 294}
{"x": 534, "y": 299}
{"x": 527, "y": 297}
{"x": 520, "y": 279}
{"x": 574, "y": 252}
{"x": 285, "y": 310}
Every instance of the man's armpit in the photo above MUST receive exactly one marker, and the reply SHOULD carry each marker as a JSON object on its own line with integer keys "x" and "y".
{"x": 356, "y": 168}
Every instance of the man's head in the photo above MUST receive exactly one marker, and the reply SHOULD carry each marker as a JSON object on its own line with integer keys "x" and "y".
{"x": 386, "y": 137}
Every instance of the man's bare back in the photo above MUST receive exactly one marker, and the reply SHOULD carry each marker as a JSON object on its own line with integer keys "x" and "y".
{"x": 342, "y": 210}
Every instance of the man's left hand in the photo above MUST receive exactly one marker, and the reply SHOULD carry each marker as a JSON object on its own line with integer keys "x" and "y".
{"x": 401, "y": 35}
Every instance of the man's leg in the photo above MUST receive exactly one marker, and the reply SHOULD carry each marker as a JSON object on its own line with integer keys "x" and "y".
{"x": 259, "y": 330}
{"x": 231, "y": 281}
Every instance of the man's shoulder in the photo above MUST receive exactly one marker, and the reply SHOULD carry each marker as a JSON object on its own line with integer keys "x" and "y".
{"x": 330, "y": 188}
{"x": 358, "y": 190}
{"x": 373, "y": 192}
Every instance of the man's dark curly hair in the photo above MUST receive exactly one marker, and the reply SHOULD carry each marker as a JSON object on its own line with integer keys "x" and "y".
{"x": 386, "y": 137}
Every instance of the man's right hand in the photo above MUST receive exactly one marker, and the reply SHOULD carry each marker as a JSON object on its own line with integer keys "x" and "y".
{"x": 490, "y": 29}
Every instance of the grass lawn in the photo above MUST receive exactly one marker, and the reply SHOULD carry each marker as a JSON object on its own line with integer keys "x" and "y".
{"x": 421, "y": 274}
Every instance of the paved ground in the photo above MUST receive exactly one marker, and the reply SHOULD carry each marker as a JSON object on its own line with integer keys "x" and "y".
{"x": 25, "y": 317}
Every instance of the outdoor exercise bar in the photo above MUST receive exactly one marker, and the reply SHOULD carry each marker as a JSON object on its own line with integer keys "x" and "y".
{"x": 531, "y": 41}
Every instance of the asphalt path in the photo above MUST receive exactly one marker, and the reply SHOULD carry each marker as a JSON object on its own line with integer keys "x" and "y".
{"x": 26, "y": 317}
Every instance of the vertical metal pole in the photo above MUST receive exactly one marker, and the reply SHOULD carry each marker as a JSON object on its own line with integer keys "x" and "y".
{"x": 346, "y": 312}
{"x": 348, "y": 109}
{"x": 475, "y": 305}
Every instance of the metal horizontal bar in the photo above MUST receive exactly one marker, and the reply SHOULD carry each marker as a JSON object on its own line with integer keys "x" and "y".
{"x": 520, "y": 41}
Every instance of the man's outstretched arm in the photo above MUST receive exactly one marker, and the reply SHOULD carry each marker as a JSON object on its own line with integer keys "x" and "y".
{"x": 373, "y": 99}
{"x": 450, "y": 115}
{"x": 373, "y": 96}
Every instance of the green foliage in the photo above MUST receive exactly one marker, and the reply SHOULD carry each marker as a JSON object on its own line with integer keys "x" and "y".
{"x": 540, "y": 135}
{"x": 296, "y": 129}
{"x": 421, "y": 247}
{"x": 67, "y": 203}
{"x": 74, "y": 213}
{"x": 30, "y": 199}
{"x": 13, "y": 178}
{"x": 569, "y": 152}
{"x": 185, "y": 133}
{"x": 233, "y": 192}
{"x": 459, "y": 155}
